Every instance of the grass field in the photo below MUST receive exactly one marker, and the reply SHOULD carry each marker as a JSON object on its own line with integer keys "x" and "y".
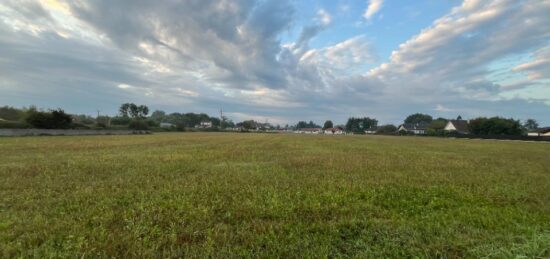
{"x": 256, "y": 195}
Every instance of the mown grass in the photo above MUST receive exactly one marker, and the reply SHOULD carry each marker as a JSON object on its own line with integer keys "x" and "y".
{"x": 253, "y": 195}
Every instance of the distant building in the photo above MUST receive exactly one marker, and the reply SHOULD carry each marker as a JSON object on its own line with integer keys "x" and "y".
{"x": 543, "y": 132}
{"x": 309, "y": 131}
{"x": 460, "y": 126}
{"x": 371, "y": 130}
{"x": 204, "y": 125}
{"x": 334, "y": 131}
{"x": 415, "y": 128}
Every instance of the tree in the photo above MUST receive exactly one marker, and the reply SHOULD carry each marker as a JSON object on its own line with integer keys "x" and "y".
{"x": 459, "y": 118}
{"x": 360, "y": 125}
{"x": 438, "y": 124}
{"x": 328, "y": 124}
{"x": 495, "y": 126}
{"x": 249, "y": 124}
{"x": 531, "y": 125}
{"x": 386, "y": 129}
{"x": 418, "y": 118}
{"x": 124, "y": 109}
{"x": 227, "y": 123}
{"x": 103, "y": 121}
{"x": 143, "y": 111}
{"x": 53, "y": 119}
{"x": 11, "y": 113}
{"x": 158, "y": 116}
{"x": 134, "y": 111}
{"x": 304, "y": 125}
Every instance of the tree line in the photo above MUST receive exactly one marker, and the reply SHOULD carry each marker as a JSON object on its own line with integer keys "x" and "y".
{"x": 137, "y": 117}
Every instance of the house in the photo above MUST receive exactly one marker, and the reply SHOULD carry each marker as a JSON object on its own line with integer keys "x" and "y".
{"x": 309, "y": 131}
{"x": 460, "y": 126}
{"x": 414, "y": 128}
{"x": 166, "y": 125}
{"x": 543, "y": 132}
{"x": 371, "y": 130}
{"x": 204, "y": 125}
{"x": 334, "y": 131}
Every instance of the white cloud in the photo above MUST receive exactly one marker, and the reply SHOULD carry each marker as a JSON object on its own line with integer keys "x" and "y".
{"x": 539, "y": 67}
{"x": 124, "y": 86}
{"x": 347, "y": 55}
{"x": 451, "y": 57}
{"x": 373, "y": 7}
{"x": 324, "y": 17}
{"x": 441, "y": 108}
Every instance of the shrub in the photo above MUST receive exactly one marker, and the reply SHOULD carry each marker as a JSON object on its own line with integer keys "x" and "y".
{"x": 121, "y": 120}
{"x": 138, "y": 124}
{"x": 495, "y": 126}
{"x": 386, "y": 129}
{"x": 54, "y": 119}
{"x": 13, "y": 125}
{"x": 11, "y": 113}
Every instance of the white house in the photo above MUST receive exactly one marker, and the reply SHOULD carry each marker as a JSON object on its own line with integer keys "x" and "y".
{"x": 415, "y": 128}
{"x": 460, "y": 126}
{"x": 544, "y": 132}
{"x": 204, "y": 125}
{"x": 309, "y": 131}
{"x": 334, "y": 131}
{"x": 371, "y": 130}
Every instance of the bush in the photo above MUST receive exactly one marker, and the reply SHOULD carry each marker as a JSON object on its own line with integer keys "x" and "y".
{"x": 152, "y": 123}
{"x": 121, "y": 120}
{"x": 13, "y": 125}
{"x": 11, "y": 113}
{"x": 80, "y": 126}
{"x": 386, "y": 129}
{"x": 138, "y": 124}
{"x": 103, "y": 122}
{"x": 495, "y": 126}
{"x": 54, "y": 119}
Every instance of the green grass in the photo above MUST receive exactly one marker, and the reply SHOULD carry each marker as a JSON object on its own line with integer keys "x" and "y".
{"x": 254, "y": 195}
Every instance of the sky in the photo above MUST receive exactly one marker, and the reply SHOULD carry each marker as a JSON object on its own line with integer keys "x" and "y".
{"x": 280, "y": 61}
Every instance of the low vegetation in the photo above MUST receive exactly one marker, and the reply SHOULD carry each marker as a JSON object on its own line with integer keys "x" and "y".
{"x": 264, "y": 195}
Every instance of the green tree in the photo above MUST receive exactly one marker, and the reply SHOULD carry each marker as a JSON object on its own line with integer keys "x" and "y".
{"x": 133, "y": 110}
{"x": 386, "y": 129}
{"x": 438, "y": 124}
{"x": 249, "y": 124}
{"x": 143, "y": 111}
{"x": 495, "y": 126}
{"x": 11, "y": 113}
{"x": 531, "y": 125}
{"x": 418, "y": 118}
{"x": 53, "y": 119}
{"x": 360, "y": 125}
{"x": 328, "y": 124}
{"x": 158, "y": 116}
{"x": 302, "y": 125}
{"x": 124, "y": 109}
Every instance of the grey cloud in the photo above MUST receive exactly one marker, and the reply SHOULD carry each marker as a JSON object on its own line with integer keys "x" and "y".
{"x": 234, "y": 42}
{"x": 202, "y": 55}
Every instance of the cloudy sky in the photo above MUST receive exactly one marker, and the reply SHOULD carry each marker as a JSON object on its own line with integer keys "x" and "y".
{"x": 279, "y": 60}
